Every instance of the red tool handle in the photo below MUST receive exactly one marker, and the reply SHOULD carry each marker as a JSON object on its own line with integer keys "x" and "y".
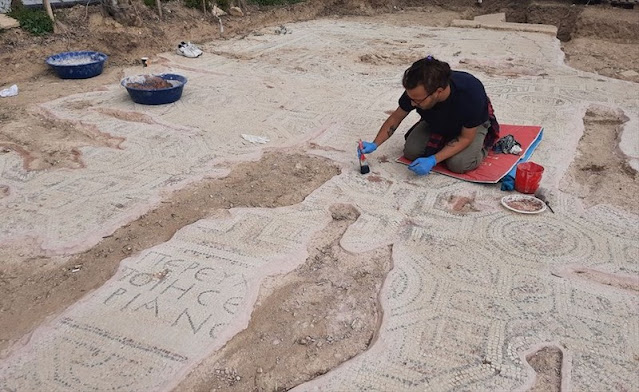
{"x": 362, "y": 157}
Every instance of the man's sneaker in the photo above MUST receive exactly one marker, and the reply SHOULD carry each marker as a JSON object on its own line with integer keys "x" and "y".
{"x": 187, "y": 49}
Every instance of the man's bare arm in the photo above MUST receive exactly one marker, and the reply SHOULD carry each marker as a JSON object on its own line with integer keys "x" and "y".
{"x": 457, "y": 145}
{"x": 390, "y": 125}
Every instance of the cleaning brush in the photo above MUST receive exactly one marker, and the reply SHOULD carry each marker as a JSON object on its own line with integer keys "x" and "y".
{"x": 363, "y": 164}
{"x": 543, "y": 195}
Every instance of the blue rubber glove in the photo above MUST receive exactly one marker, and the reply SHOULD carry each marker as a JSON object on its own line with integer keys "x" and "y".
{"x": 423, "y": 166}
{"x": 507, "y": 183}
{"x": 368, "y": 148}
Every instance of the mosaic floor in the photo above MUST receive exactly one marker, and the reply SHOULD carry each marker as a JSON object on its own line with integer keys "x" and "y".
{"x": 469, "y": 294}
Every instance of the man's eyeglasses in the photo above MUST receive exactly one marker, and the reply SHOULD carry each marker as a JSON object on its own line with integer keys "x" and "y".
{"x": 418, "y": 102}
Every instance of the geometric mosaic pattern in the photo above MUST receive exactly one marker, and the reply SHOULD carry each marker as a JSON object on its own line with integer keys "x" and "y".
{"x": 469, "y": 293}
{"x": 462, "y": 311}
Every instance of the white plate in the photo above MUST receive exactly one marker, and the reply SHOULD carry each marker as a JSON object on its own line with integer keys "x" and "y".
{"x": 525, "y": 198}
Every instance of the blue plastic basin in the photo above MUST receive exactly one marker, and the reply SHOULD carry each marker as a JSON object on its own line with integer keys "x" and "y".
{"x": 155, "y": 96}
{"x": 77, "y": 65}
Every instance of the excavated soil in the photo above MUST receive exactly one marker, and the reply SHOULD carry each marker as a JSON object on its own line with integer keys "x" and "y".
{"x": 547, "y": 364}
{"x": 23, "y": 133}
{"x": 605, "y": 41}
{"x": 600, "y": 173}
{"x": 151, "y": 83}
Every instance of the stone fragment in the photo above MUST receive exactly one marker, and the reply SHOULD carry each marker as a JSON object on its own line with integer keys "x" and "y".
{"x": 7, "y": 22}
{"x": 236, "y": 11}
{"x": 217, "y": 11}
{"x": 491, "y": 18}
{"x": 630, "y": 73}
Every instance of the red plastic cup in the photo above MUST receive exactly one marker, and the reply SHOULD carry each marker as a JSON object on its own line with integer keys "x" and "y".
{"x": 527, "y": 177}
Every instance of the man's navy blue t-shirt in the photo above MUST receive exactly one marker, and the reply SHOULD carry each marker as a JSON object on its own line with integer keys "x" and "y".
{"x": 467, "y": 106}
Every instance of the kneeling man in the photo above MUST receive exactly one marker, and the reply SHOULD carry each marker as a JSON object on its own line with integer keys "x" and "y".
{"x": 457, "y": 123}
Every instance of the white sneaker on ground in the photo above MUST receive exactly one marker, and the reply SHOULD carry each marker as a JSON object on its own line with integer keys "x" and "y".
{"x": 187, "y": 49}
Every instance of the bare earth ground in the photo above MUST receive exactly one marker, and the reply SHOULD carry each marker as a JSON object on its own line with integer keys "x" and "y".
{"x": 602, "y": 174}
{"x": 547, "y": 365}
{"x": 33, "y": 288}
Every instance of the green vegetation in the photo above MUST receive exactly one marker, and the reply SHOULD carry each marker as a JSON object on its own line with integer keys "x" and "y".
{"x": 149, "y": 3}
{"x": 197, "y": 4}
{"x": 224, "y": 4}
{"x": 35, "y": 21}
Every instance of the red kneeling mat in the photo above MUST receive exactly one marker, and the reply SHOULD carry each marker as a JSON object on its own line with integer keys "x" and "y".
{"x": 496, "y": 165}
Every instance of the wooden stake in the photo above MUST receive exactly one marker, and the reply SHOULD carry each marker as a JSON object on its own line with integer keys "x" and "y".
{"x": 47, "y": 6}
{"x": 159, "y": 5}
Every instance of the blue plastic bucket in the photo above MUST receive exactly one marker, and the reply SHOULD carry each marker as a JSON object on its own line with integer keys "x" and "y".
{"x": 155, "y": 96}
{"x": 77, "y": 65}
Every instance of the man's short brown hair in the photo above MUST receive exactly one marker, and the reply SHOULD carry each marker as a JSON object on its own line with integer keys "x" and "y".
{"x": 428, "y": 72}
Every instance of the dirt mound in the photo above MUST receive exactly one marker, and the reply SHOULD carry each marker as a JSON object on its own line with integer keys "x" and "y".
{"x": 611, "y": 24}
{"x": 558, "y": 14}
{"x": 151, "y": 83}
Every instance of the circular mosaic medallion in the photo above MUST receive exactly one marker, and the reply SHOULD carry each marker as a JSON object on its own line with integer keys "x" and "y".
{"x": 539, "y": 237}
